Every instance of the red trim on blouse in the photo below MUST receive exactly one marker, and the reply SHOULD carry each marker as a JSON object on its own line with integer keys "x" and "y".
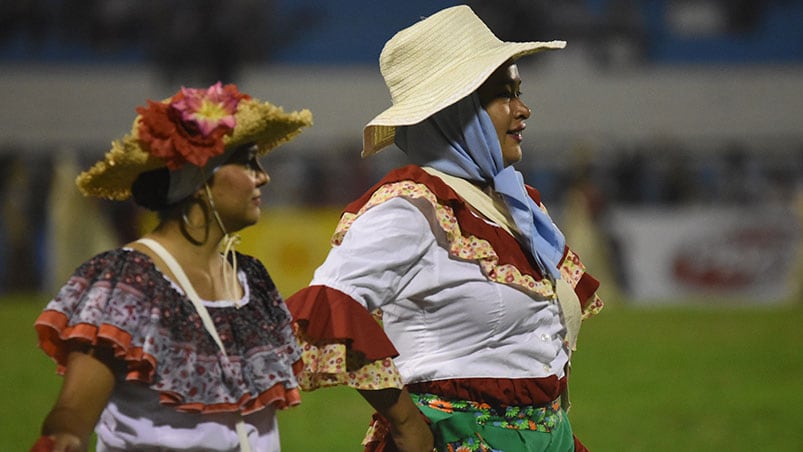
{"x": 327, "y": 315}
{"x": 508, "y": 249}
{"x": 585, "y": 290}
{"x": 277, "y": 396}
{"x": 54, "y": 333}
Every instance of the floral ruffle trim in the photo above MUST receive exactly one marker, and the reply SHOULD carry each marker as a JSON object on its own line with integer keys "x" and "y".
{"x": 470, "y": 247}
{"x": 341, "y": 343}
{"x": 463, "y": 247}
{"x": 57, "y": 338}
{"x": 325, "y": 365}
{"x": 573, "y": 271}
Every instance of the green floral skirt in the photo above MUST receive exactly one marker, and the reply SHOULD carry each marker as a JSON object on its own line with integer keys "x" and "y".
{"x": 463, "y": 426}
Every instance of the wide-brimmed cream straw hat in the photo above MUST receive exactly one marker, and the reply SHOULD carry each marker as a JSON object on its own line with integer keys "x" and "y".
{"x": 192, "y": 129}
{"x": 435, "y": 63}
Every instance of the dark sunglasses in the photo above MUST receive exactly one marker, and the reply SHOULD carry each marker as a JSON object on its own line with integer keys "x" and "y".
{"x": 248, "y": 157}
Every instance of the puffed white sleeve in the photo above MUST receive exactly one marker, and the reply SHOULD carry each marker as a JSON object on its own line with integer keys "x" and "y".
{"x": 381, "y": 252}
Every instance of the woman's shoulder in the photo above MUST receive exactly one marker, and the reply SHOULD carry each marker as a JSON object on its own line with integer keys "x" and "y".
{"x": 123, "y": 265}
{"x": 116, "y": 258}
{"x": 410, "y": 181}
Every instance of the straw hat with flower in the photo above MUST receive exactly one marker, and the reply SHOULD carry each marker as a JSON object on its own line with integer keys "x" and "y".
{"x": 435, "y": 63}
{"x": 191, "y": 132}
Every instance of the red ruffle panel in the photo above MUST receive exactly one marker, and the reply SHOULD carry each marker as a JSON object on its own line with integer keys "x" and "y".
{"x": 55, "y": 337}
{"x": 329, "y": 315}
{"x": 495, "y": 391}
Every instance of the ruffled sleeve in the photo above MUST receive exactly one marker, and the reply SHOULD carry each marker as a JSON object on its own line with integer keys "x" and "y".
{"x": 339, "y": 315}
{"x": 342, "y": 343}
{"x": 97, "y": 306}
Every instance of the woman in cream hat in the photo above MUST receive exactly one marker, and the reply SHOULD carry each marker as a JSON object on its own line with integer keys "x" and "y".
{"x": 449, "y": 298}
{"x": 176, "y": 341}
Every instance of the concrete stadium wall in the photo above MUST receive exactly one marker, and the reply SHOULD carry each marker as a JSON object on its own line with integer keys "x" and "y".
{"x": 46, "y": 107}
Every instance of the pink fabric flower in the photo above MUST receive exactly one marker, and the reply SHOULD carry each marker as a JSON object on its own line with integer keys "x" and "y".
{"x": 207, "y": 109}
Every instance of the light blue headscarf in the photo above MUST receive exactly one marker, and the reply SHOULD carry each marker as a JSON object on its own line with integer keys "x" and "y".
{"x": 461, "y": 141}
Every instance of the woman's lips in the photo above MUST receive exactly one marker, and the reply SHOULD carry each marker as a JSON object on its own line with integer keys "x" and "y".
{"x": 517, "y": 134}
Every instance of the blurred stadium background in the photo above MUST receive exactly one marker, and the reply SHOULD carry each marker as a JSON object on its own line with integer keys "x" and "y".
{"x": 667, "y": 141}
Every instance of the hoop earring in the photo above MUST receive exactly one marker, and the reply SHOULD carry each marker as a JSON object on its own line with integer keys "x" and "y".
{"x": 186, "y": 224}
{"x": 214, "y": 210}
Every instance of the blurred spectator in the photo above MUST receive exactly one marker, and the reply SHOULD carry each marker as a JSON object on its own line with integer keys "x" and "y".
{"x": 740, "y": 181}
{"x": 189, "y": 40}
{"x": 613, "y": 31}
{"x": 205, "y": 41}
{"x": 630, "y": 174}
{"x": 743, "y": 16}
{"x": 797, "y": 204}
{"x": 76, "y": 228}
{"x": 679, "y": 184}
{"x": 6, "y": 161}
{"x": 32, "y": 19}
{"x": 516, "y": 20}
{"x": 19, "y": 209}
{"x": 209, "y": 40}
{"x": 584, "y": 220}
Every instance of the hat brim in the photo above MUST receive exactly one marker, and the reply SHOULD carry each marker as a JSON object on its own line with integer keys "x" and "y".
{"x": 434, "y": 95}
{"x": 262, "y": 123}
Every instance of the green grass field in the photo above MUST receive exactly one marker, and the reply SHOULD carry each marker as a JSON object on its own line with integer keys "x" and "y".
{"x": 669, "y": 379}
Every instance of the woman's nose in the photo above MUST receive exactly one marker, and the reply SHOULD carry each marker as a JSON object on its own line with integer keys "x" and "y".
{"x": 524, "y": 111}
{"x": 262, "y": 177}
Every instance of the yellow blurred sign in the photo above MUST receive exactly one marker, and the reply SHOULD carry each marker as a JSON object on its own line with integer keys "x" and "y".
{"x": 292, "y": 243}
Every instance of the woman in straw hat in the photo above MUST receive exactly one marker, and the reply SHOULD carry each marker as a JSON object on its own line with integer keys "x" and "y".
{"x": 176, "y": 341}
{"x": 448, "y": 291}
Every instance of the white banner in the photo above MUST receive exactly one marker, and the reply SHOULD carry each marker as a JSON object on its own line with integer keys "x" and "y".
{"x": 707, "y": 254}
